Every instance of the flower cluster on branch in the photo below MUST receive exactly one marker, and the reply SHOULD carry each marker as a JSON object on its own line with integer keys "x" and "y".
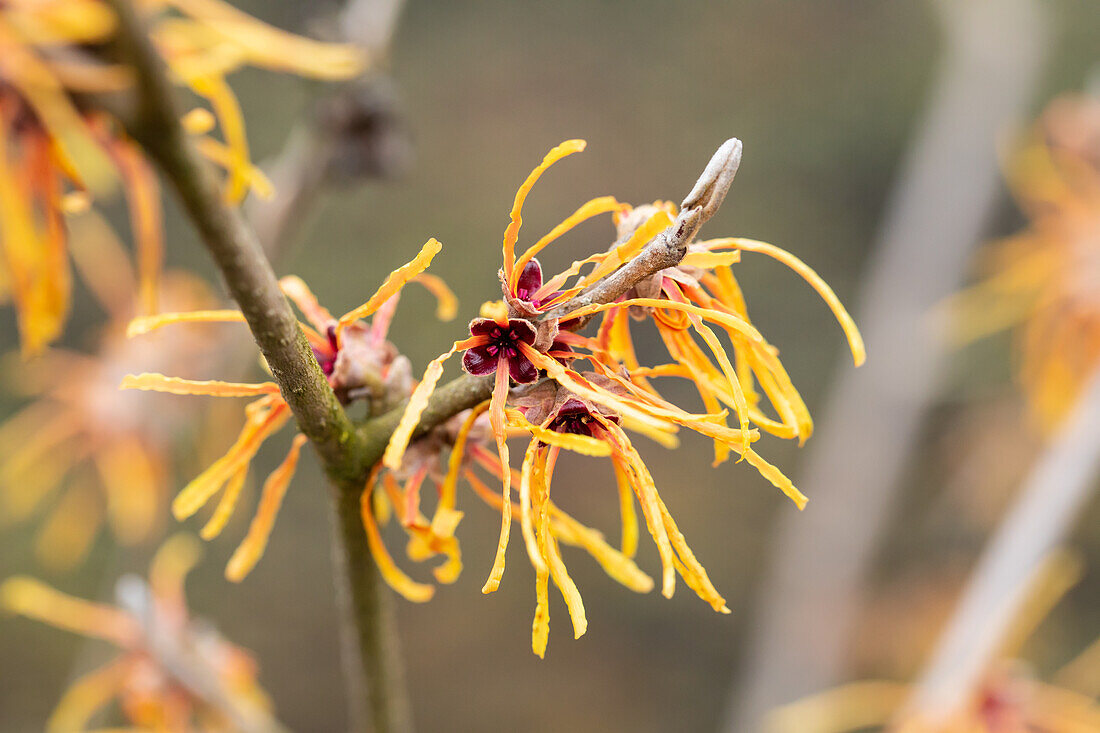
{"x": 531, "y": 345}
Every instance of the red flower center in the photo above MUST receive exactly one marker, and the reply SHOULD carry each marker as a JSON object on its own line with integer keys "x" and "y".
{"x": 501, "y": 344}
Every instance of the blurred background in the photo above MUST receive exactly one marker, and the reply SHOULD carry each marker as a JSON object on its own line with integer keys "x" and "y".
{"x": 829, "y": 99}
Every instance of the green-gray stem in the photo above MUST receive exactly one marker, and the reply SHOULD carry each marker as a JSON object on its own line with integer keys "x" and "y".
{"x": 375, "y": 679}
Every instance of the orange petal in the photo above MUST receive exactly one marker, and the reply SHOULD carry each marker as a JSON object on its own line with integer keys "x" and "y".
{"x": 34, "y": 599}
{"x": 855, "y": 341}
{"x": 646, "y": 491}
{"x": 446, "y": 302}
{"x": 526, "y": 513}
{"x": 228, "y": 110}
{"x": 251, "y": 549}
{"x": 511, "y": 233}
{"x": 403, "y": 584}
{"x": 627, "y": 513}
{"x": 145, "y": 324}
{"x": 226, "y": 504}
{"x": 589, "y": 209}
{"x": 448, "y": 489}
{"x": 296, "y": 289}
{"x": 625, "y": 251}
{"x": 618, "y": 566}
{"x": 418, "y": 402}
{"x": 393, "y": 284}
{"x": 202, "y": 487}
{"x": 169, "y": 568}
{"x": 272, "y": 48}
{"x": 496, "y": 418}
{"x": 213, "y": 388}
{"x": 693, "y": 573}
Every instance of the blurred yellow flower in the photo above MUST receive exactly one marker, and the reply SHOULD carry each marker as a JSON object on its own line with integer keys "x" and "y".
{"x": 1045, "y": 280}
{"x": 54, "y": 156}
{"x": 172, "y": 673}
{"x": 105, "y": 457}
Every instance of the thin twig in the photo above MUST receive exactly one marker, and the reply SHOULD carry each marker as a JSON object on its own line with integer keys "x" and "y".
{"x": 670, "y": 246}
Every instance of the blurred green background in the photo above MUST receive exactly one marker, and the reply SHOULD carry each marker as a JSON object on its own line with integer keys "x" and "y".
{"x": 824, "y": 96}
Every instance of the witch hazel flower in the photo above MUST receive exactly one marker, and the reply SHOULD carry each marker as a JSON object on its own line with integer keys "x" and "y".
{"x": 358, "y": 361}
{"x": 530, "y": 343}
{"x": 557, "y": 419}
{"x": 497, "y": 346}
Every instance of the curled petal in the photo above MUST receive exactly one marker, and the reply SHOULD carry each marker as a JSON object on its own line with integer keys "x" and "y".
{"x": 855, "y": 341}
{"x": 393, "y": 284}
{"x": 403, "y": 584}
{"x": 511, "y": 234}
{"x": 401, "y": 436}
{"x": 446, "y": 302}
{"x": 496, "y": 418}
{"x": 589, "y": 209}
{"x": 259, "y": 427}
{"x": 526, "y": 513}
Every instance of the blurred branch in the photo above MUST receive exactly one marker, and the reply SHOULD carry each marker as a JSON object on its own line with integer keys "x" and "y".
{"x": 946, "y": 192}
{"x": 355, "y": 135}
{"x": 1050, "y": 500}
